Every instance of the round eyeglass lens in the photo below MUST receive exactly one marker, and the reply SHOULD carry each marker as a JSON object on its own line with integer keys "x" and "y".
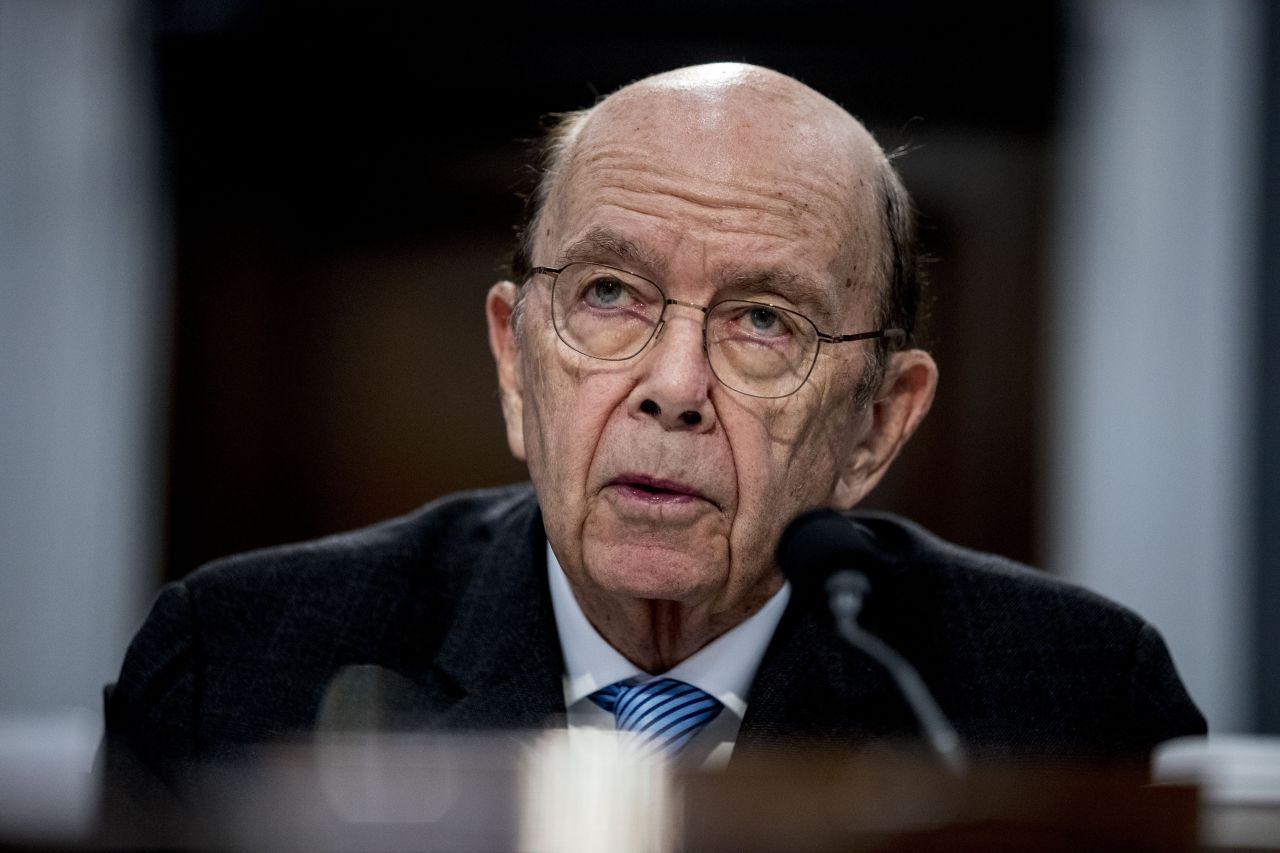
{"x": 758, "y": 349}
{"x": 603, "y": 312}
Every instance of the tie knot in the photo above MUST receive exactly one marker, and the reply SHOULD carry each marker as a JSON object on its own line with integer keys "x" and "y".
{"x": 664, "y": 713}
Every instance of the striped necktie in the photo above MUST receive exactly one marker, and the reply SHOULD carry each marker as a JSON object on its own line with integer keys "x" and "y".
{"x": 664, "y": 714}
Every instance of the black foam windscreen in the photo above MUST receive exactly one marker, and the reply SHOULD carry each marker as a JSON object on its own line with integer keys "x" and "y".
{"x": 820, "y": 542}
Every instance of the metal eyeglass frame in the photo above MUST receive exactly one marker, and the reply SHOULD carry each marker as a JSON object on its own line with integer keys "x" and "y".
{"x": 822, "y": 337}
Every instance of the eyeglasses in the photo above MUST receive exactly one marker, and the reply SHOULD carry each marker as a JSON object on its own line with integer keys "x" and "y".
{"x": 754, "y": 348}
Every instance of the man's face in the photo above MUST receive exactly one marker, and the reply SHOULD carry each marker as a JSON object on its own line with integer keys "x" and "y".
{"x": 655, "y": 480}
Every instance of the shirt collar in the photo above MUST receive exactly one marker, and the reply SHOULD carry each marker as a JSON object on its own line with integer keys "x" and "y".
{"x": 725, "y": 667}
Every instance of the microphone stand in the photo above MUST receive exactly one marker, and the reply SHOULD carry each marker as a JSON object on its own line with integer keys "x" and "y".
{"x": 846, "y": 590}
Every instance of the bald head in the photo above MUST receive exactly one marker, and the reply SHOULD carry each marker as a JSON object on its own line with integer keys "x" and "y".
{"x": 727, "y": 106}
{"x": 767, "y": 133}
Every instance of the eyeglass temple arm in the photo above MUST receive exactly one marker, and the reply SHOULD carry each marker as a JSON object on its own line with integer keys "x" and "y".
{"x": 897, "y": 334}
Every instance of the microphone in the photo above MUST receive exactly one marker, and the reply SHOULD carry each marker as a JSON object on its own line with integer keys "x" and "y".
{"x": 370, "y": 698}
{"x": 822, "y": 543}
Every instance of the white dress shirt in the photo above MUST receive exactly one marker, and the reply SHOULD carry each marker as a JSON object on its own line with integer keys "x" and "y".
{"x": 724, "y": 668}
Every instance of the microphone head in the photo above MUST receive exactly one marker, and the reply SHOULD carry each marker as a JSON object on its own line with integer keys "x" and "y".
{"x": 372, "y": 698}
{"x": 820, "y": 542}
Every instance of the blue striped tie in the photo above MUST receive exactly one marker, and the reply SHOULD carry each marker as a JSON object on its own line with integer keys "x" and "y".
{"x": 664, "y": 714}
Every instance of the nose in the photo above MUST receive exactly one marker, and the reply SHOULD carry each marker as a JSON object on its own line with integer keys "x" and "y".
{"x": 675, "y": 381}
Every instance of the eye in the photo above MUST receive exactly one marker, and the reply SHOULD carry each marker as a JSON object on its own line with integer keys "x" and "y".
{"x": 762, "y": 322}
{"x": 605, "y": 292}
{"x": 765, "y": 321}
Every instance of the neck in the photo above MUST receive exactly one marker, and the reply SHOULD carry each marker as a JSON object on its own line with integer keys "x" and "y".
{"x": 656, "y": 635}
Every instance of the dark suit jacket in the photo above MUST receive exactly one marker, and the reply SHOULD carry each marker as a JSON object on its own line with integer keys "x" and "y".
{"x": 454, "y": 598}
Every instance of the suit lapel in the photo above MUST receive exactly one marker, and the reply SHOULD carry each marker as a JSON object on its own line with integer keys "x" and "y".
{"x": 500, "y": 665}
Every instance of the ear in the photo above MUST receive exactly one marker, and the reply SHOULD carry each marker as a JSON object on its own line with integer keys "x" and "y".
{"x": 500, "y": 308}
{"x": 911, "y": 377}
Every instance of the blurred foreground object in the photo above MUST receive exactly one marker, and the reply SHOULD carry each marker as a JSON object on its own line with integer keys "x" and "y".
{"x": 1239, "y": 782}
{"x": 48, "y": 788}
{"x": 559, "y": 791}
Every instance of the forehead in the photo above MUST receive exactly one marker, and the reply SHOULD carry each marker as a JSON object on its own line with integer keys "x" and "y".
{"x": 747, "y": 177}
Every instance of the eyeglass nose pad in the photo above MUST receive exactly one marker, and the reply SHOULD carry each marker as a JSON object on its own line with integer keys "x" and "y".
{"x": 657, "y": 334}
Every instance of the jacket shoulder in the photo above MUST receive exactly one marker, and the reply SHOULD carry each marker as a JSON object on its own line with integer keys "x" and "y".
{"x": 368, "y": 595}
{"x": 435, "y": 541}
{"x": 1012, "y": 649}
{"x": 910, "y": 555}
{"x": 241, "y": 650}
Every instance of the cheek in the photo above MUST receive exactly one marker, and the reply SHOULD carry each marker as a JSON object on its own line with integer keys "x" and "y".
{"x": 536, "y": 388}
{"x": 566, "y": 409}
{"x": 788, "y": 459}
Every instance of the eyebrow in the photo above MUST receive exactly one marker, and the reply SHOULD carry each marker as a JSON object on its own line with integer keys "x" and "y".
{"x": 797, "y": 289}
{"x": 601, "y": 244}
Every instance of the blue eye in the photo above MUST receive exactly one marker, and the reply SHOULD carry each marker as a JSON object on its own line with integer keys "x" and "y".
{"x": 764, "y": 320}
{"x": 605, "y": 293}
{"x": 761, "y": 321}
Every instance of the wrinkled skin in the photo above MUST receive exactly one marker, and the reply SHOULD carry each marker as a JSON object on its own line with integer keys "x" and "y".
{"x": 712, "y": 181}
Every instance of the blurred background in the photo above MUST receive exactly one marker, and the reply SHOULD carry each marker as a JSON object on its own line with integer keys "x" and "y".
{"x": 244, "y": 248}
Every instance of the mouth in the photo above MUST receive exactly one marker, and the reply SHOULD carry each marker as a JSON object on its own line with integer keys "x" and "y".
{"x": 656, "y": 490}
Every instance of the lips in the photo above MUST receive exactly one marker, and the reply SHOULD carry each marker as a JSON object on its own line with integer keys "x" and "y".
{"x": 656, "y": 489}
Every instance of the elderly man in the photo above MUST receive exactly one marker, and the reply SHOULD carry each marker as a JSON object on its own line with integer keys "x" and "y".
{"x": 709, "y": 331}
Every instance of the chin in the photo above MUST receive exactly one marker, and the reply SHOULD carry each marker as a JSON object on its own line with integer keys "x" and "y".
{"x": 655, "y": 571}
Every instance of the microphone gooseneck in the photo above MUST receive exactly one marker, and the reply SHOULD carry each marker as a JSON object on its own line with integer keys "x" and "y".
{"x": 823, "y": 543}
